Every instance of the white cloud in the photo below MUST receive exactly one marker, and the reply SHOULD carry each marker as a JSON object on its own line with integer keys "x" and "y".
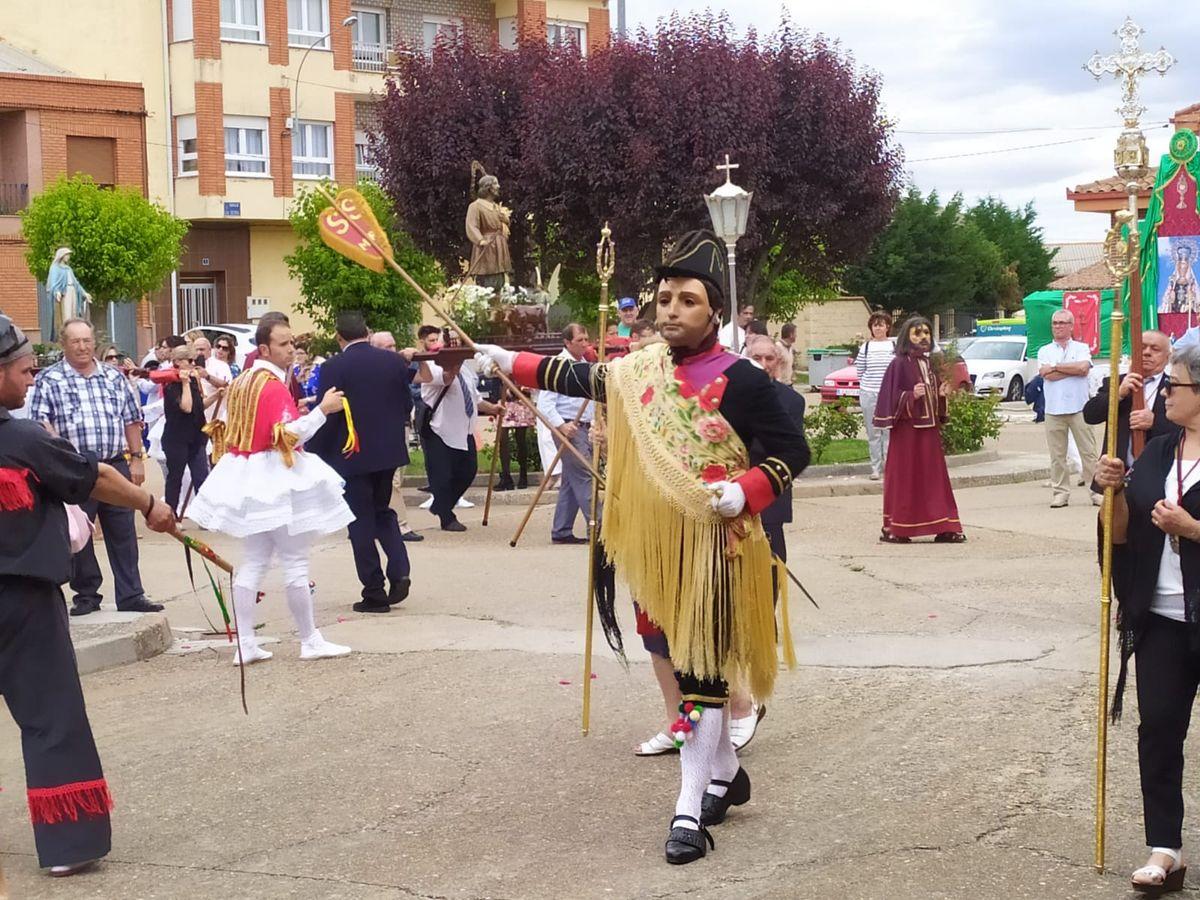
{"x": 972, "y": 65}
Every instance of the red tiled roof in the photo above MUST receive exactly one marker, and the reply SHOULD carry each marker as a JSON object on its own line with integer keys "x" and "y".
{"x": 1113, "y": 185}
{"x": 1095, "y": 277}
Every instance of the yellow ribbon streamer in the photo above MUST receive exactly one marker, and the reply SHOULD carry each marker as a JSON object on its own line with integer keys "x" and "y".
{"x": 352, "y": 445}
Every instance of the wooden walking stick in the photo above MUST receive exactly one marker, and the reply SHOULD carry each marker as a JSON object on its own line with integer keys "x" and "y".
{"x": 541, "y": 489}
{"x": 605, "y": 264}
{"x": 487, "y": 504}
{"x": 350, "y": 228}
{"x": 1106, "y": 588}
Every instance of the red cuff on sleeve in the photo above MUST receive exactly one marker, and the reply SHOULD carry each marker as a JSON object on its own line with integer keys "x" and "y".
{"x": 759, "y": 492}
{"x": 525, "y": 368}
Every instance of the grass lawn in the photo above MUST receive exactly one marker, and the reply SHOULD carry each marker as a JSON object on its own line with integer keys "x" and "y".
{"x": 846, "y": 450}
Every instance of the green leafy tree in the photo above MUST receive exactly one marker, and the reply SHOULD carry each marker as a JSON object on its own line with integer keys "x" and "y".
{"x": 1028, "y": 264}
{"x": 330, "y": 283}
{"x": 929, "y": 258}
{"x": 123, "y": 246}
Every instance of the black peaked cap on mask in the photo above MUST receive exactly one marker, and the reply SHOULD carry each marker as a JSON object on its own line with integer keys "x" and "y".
{"x": 698, "y": 254}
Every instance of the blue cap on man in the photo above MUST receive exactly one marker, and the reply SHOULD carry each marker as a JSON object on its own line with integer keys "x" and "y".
{"x": 626, "y": 303}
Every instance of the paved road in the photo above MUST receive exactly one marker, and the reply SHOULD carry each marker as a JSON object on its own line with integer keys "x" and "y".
{"x": 936, "y": 741}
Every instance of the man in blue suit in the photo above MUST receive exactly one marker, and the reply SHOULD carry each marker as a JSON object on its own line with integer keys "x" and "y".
{"x": 376, "y": 384}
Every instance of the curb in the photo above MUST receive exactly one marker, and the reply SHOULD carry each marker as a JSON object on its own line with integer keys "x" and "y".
{"x": 801, "y": 491}
{"x": 150, "y": 636}
{"x": 806, "y": 486}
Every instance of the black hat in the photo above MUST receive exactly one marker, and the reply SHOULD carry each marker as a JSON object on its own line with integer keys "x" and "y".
{"x": 698, "y": 254}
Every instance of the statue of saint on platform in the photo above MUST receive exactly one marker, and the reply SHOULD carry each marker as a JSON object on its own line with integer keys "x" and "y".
{"x": 487, "y": 229}
{"x": 70, "y": 299}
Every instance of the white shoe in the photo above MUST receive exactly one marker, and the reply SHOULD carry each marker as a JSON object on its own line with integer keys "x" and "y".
{"x": 742, "y": 731}
{"x": 316, "y": 647}
{"x": 251, "y": 653}
{"x": 428, "y": 503}
{"x": 464, "y": 503}
{"x": 74, "y": 868}
{"x": 874, "y": 476}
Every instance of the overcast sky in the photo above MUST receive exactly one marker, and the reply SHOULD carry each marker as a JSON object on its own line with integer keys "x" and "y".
{"x": 1013, "y": 66}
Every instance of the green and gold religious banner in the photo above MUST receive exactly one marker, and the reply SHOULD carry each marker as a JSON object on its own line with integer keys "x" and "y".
{"x": 1170, "y": 245}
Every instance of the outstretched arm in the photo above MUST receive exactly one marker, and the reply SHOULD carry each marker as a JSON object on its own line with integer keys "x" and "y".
{"x": 548, "y": 373}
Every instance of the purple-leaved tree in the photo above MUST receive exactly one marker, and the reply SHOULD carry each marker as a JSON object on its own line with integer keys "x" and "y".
{"x": 632, "y": 135}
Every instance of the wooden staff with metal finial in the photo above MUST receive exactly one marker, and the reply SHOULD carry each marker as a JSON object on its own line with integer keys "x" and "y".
{"x": 606, "y": 256}
{"x": 487, "y": 504}
{"x": 1106, "y": 589}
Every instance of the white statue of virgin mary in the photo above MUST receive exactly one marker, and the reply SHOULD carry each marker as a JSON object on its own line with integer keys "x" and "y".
{"x": 70, "y": 299}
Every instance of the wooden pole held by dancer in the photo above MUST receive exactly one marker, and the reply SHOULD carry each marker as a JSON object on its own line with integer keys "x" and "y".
{"x": 605, "y": 264}
{"x": 350, "y": 228}
{"x": 487, "y": 504}
{"x": 546, "y": 476}
{"x": 1106, "y": 588}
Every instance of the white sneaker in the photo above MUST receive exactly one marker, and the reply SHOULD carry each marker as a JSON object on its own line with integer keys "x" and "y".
{"x": 428, "y": 503}
{"x": 251, "y": 653}
{"x": 316, "y": 647}
{"x": 464, "y": 503}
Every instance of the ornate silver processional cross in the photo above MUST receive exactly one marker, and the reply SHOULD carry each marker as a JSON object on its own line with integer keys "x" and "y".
{"x": 1129, "y": 65}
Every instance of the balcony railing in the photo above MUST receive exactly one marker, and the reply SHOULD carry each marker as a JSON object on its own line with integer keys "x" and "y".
{"x": 371, "y": 173}
{"x": 370, "y": 57}
{"x": 13, "y": 198}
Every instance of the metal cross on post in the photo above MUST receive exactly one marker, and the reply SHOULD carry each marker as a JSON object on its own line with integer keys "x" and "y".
{"x": 728, "y": 168}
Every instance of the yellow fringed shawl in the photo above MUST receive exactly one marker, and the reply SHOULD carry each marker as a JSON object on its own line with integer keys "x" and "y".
{"x": 708, "y": 591}
{"x": 243, "y": 397}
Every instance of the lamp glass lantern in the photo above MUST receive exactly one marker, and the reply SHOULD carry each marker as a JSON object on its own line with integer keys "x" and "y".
{"x": 729, "y": 209}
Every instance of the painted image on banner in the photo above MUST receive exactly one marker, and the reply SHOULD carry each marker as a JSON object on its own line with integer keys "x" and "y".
{"x": 1178, "y": 290}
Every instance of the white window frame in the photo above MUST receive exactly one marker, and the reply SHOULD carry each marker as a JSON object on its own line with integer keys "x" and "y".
{"x": 240, "y": 7}
{"x": 302, "y": 34}
{"x": 363, "y": 168}
{"x": 580, "y": 27}
{"x": 243, "y": 124}
{"x": 181, "y": 21}
{"x": 370, "y": 57}
{"x": 185, "y": 131}
{"x": 440, "y": 22}
{"x": 301, "y": 138}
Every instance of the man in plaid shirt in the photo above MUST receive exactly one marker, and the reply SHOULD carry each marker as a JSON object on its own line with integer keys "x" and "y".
{"x": 93, "y": 406}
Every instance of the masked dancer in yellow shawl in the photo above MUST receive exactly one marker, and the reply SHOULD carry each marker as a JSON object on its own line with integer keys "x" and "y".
{"x": 681, "y": 513}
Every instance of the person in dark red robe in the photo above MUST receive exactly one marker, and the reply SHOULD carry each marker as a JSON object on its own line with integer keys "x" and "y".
{"x": 917, "y": 497}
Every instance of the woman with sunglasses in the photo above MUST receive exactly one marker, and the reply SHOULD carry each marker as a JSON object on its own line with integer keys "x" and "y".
{"x": 221, "y": 369}
{"x": 1156, "y": 576}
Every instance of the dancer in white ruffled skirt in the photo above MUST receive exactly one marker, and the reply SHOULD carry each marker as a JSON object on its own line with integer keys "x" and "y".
{"x": 265, "y": 490}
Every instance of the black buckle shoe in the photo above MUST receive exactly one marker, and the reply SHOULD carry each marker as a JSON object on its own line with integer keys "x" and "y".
{"x": 685, "y": 845}
{"x": 714, "y": 808}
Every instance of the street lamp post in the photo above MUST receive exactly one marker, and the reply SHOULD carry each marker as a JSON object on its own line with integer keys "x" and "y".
{"x": 729, "y": 208}
{"x": 346, "y": 23}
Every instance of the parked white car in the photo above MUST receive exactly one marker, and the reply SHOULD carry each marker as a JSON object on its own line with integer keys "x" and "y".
{"x": 1000, "y": 364}
{"x": 242, "y": 334}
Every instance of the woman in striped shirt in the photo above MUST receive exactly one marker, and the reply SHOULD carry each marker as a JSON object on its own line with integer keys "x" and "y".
{"x": 873, "y": 359}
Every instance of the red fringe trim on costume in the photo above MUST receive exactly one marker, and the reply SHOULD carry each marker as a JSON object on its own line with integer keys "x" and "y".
{"x": 14, "y": 489}
{"x": 50, "y": 806}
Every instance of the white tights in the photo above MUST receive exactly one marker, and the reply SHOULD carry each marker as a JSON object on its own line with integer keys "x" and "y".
{"x": 292, "y": 551}
{"x": 705, "y": 755}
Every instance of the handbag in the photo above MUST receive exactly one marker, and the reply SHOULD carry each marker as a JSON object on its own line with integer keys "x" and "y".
{"x": 426, "y": 413}
{"x": 79, "y": 527}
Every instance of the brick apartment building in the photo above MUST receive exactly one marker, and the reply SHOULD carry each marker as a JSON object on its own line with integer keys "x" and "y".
{"x": 52, "y": 125}
{"x": 247, "y": 100}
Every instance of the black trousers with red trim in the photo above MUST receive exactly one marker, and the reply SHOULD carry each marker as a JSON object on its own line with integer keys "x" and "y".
{"x": 40, "y": 684}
